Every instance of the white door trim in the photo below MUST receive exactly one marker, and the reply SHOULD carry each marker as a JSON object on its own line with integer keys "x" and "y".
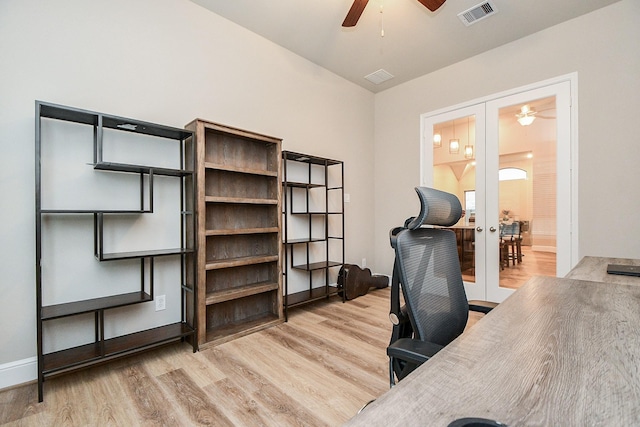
{"x": 566, "y": 261}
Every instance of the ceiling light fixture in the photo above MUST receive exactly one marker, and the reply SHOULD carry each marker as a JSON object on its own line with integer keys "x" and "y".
{"x": 454, "y": 143}
{"x": 468, "y": 152}
{"x": 526, "y": 116}
{"x": 437, "y": 140}
{"x": 454, "y": 146}
{"x": 468, "y": 149}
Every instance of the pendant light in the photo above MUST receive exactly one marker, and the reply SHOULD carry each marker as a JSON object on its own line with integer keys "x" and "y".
{"x": 437, "y": 140}
{"x": 468, "y": 149}
{"x": 454, "y": 144}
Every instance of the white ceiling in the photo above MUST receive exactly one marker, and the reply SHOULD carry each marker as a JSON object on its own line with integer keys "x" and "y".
{"x": 416, "y": 41}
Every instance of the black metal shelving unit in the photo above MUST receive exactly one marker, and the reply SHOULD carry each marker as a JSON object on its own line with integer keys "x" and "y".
{"x": 295, "y": 188}
{"x": 102, "y": 349}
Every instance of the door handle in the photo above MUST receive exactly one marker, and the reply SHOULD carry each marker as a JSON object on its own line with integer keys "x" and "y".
{"x": 492, "y": 229}
{"x": 479, "y": 229}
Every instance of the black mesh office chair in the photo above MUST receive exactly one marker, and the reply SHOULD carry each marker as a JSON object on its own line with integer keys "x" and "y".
{"x": 427, "y": 270}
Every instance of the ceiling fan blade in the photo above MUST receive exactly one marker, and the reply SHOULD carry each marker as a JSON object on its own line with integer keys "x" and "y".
{"x": 354, "y": 13}
{"x": 432, "y": 5}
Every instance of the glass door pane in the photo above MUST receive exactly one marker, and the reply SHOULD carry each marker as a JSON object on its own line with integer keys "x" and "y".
{"x": 528, "y": 186}
{"x": 527, "y": 190}
{"x": 454, "y": 171}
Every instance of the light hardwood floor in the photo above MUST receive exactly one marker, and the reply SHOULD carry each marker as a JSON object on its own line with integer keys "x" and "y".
{"x": 534, "y": 263}
{"x": 318, "y": 369}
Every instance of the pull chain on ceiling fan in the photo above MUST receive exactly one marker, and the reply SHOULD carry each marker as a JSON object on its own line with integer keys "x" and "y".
{"x": 358, "y": 7}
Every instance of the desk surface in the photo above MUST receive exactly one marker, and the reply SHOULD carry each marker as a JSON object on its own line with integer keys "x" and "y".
{"x": 557, "y": 352}
{"x": 595, "y": 269}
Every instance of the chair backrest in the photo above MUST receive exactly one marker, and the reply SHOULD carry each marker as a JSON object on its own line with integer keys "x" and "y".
{"x": 510, "y": 230}
{"x": 429, "y": 270}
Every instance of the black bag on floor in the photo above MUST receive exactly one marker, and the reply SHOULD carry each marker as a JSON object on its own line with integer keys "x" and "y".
{"x": 355, "y": 281}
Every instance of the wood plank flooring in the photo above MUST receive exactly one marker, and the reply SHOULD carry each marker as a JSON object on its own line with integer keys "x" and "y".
{"x": 534, "y": 263}
{"x": 318, "y": 369}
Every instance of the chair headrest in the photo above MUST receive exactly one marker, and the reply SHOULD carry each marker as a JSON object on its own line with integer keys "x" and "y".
{"x": 436, "y": 208}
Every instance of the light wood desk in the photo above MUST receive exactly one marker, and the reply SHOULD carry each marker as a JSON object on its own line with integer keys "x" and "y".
{"x": 595, "y": 270}
{"x": 557, "y": 352}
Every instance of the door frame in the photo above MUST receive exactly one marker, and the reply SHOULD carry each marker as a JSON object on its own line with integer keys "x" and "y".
{"x": 568, "y": 244}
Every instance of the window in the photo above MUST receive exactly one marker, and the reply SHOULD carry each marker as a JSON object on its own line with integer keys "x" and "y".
{"x": 510, "y": 174}
{"x": 470, "y": 202}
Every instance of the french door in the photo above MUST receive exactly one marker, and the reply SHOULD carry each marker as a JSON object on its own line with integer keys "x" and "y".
{"x": 508, "y": 159}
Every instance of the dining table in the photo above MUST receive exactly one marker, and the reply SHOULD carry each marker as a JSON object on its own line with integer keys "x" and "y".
{"x": 465, "y": 239}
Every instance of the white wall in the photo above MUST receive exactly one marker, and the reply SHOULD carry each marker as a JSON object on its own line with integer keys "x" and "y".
{"x": 168, "y": 62}
{"x": 602, "y": 48}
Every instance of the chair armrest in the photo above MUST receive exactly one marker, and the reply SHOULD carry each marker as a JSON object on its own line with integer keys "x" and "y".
{"x": 482, "y": 306}
{"x": 411, "y": 350}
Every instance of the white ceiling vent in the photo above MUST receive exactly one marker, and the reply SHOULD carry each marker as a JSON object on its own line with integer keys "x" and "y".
{"x": 477, "y": 13}
{"x": 379, "y": 76}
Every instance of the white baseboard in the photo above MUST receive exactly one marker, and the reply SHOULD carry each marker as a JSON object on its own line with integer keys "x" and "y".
{"x": 18, "y": 372}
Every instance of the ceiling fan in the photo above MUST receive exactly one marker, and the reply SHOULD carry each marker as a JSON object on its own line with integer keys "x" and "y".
{"x": 527, "y": 115}
{"x": 358, "y": 7}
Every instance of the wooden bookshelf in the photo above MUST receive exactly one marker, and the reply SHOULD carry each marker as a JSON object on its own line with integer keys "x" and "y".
{"x": 239, "y": 223}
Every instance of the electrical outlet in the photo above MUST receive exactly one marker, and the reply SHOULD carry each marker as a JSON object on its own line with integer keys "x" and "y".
{"x": 160, "y": 302}
{"x": 364, "y": 262}
{"x": 347, "y": 198}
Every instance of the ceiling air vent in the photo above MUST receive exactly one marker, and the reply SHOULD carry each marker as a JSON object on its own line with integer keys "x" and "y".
{"x": 477, "y": 13}
{"x": 379, "y": 76}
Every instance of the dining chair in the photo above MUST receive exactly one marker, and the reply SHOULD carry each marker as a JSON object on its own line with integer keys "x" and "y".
{"x": 511, "y": 234}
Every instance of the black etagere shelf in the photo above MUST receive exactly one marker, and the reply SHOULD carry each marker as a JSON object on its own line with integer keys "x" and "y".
{"x": 102, "y": 349}
{"x": 320, "y": 174}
